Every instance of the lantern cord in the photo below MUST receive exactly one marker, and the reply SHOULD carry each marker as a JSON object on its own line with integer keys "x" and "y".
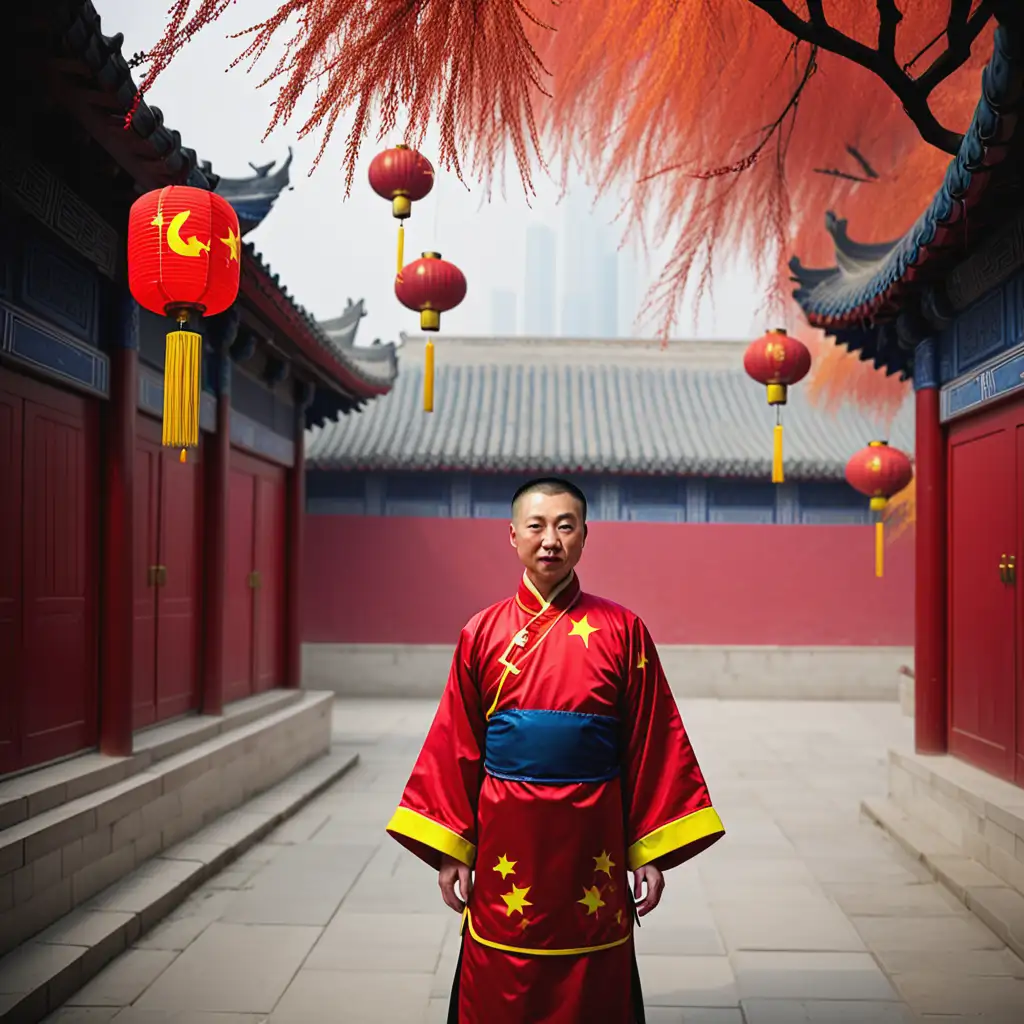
{"x": 428, "y": 378}
{"x": 879, "y": 547}
{"x": 777, "y": 475}
{"x": 401, "y": 247}
{"x": 181, "y": 390}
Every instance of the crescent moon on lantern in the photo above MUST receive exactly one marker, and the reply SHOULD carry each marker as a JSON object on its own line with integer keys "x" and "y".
{"x": 193, "y": 247}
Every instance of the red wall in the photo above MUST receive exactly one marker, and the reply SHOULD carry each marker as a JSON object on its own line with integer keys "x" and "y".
{"x": 417, "y": 581}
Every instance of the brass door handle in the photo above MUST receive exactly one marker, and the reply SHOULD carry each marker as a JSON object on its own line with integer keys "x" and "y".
{"x": 254, "y": 580}
{"x": 1004, "y": 570}
{"x": 161, "y": 575}
{"x": 152, "y": 574}
{"x": 1011, "y": 569}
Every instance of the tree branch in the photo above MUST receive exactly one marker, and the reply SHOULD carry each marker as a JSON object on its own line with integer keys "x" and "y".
{"x": 962, "y": 30}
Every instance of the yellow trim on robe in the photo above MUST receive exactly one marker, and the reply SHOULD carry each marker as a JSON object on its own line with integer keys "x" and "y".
{"x": 422, "y": 829}
{"x": 674, "y": 836}
{"x": 523, "y": 951}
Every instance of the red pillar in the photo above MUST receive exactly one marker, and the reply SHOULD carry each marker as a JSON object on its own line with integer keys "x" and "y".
{"x": 296, "y": 530}
{"x": 931, "y": 726}
{"x": 215, "y": 530}
{"x": 117, "y": 632}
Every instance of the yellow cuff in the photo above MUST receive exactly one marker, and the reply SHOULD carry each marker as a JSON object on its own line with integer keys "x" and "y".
{"x": 424, "y": 830}
{"x": 674, "y": 836}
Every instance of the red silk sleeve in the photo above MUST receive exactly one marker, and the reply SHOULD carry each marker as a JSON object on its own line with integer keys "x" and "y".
{"x": 669, "y": 814}
{"x": 437, "y": 812}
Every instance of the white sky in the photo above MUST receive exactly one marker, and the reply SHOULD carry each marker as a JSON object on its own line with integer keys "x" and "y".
{"x": 327, "y": 249}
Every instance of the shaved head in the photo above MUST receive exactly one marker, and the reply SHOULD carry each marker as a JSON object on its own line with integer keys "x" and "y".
{"x": 549, "y": 485}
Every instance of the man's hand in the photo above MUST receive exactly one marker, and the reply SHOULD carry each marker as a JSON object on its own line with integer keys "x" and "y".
{"x": 453, "y": 870}
{"x": 655, "y": 887}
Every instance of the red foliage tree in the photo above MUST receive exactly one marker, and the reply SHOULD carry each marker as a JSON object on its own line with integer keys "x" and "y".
{"x": 740, "y": 121}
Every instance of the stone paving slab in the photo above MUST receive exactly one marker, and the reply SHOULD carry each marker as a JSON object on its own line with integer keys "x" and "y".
{"x": 806, "y": 913}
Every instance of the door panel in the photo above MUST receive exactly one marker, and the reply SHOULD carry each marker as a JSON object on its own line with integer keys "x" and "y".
{"x": 60, "y": 545}
{"x": 982, "y": 532}
{"x": 11, "y": 412}
{"x": 178, "y": 596}
{"x": 147, "y": 493}
{"x": 269, "y": 562}
{"x": 1019, "y": 597}
{"x": 238, "y": 642}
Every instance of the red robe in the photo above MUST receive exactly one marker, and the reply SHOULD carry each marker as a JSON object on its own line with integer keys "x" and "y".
{"x": 549, "y": 927}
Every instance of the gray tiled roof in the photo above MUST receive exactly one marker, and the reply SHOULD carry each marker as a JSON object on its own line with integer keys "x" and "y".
{"x": 564, "y": 405}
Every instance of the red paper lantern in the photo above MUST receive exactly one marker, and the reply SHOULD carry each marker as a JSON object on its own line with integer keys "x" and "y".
{"x": 430, "y": 286}
{"x": 880, "y": 472}
{"x": 184, "y": 255}
{"x": 777, "y": 360}
{"x": 404, "y": 176}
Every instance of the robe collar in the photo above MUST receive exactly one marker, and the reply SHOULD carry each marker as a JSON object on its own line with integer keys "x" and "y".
{"x": 562, "y": 597}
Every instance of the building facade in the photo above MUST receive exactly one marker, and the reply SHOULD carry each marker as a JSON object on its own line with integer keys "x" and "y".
{"x": 673, "y": 449}
{"x": 944, "y": 305}
{"x": 137, "y": 590}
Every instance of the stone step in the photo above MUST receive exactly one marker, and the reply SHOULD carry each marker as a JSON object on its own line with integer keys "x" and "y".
{"x": 57, "y": 859}
{"x": 997, "y": 905}
{"x": 40, "y": 790}
{"x": 43, "y": 973}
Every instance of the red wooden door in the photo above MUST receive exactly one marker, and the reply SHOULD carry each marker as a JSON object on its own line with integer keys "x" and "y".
{"x": 60, "y": 543}
{"x": 179, "y": 590}
{"x": 146, "y": 557}
{"x": 269, "y": 562}
{"x": 1019, "y": 597}
{"x": 982, "y": 630}
{"x": 238, "y": 642}
{"x": 11, "y": 414}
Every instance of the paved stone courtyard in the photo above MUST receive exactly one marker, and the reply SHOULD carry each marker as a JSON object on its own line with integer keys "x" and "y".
{"x": 803, "y": 913}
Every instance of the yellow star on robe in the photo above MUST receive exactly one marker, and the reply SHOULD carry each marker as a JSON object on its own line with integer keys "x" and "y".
{"x": 505, "y": 867}
{"x": 592, "y": 899}
{"x": 604, "y": 863}
{"x": 641, "y": 662}
{"x": 516, "y": 900}
{"x": 582, "y": 629}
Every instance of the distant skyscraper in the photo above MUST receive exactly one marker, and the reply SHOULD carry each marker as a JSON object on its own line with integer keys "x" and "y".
{"x": 579, "y": 267}
{"x": 503, "y": 312}
{"x": 606, "y": 306}
{"x": 539, "y": 282}
{"x": 629, "y": 301}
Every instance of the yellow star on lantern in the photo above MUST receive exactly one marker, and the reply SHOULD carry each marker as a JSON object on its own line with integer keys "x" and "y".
{"x": 232, "y": 243}
{"x": 641, "y": 662}
{"x": 604, "y": 863}
{"x": 505, "y": 867}
{"x": 592, "y": 899}
{"x": 582, "y": 629}
{"x": 516, "y": 900}
{"x": 157, "y": 221}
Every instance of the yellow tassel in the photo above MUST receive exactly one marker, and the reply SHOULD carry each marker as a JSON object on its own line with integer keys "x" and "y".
{"x": 401, "y": 246}
{"x": 879, "y": 547}
{"x": 428, "y": 379}
{"x": 181, "y": 390}
{"x": 777, "y": 477}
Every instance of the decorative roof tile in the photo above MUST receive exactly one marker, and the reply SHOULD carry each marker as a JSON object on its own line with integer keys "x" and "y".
{"x": 870, "y": 284}
{"x": 557, "y": 405}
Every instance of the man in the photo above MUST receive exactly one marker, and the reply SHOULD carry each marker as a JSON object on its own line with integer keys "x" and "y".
{"x": 557, "y": 759}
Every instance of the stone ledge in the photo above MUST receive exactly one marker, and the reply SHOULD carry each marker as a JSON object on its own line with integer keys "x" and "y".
{"x": 59, "y": 859}
{"x": 987, "y": 896}
{"x": 42, "y": 974}
{"x": 43, "y": 789}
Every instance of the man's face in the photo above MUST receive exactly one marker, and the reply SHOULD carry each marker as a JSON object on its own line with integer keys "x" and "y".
{"x": 548, "y": 534}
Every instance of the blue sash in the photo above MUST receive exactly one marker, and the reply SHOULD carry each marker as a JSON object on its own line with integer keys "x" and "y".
{"x": 552, "y": 747}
